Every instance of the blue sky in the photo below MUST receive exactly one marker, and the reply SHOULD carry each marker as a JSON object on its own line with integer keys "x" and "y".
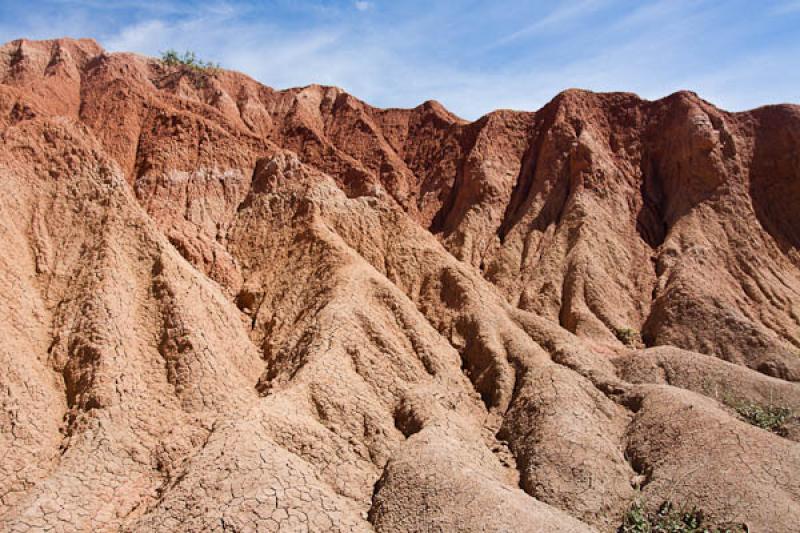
{"x": 473, "y": 56}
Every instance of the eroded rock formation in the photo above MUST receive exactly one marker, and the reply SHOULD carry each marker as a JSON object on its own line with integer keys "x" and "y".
{"x": 228, "y": 307}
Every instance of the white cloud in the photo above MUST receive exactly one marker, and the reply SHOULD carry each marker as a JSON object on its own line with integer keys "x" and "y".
{"x": 147, "y": 37}
{"x": 412, "y": 55}
{"x": 554, "y": 20}
{"x": 362, "y": 5}
{"x": 376, "y": 65}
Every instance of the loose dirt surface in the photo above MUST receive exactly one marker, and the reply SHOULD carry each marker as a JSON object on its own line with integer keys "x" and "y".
{"x": 225, "y": 307}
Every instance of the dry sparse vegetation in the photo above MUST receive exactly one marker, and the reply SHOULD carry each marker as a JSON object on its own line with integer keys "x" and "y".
{"x": 188, "y": 59}
{"x": 629, "y": 337}
{"x": 671, "y": 519}
{"x": 770, "y": 417}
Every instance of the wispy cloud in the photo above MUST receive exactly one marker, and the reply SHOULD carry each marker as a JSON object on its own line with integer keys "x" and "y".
{"x": 460, "y": 52}
{"x": 141, "y": 36}
{"x": 555, "y": 20}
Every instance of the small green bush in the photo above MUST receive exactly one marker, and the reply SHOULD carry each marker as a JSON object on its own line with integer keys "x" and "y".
{"x": 769, "y": 417}
{"x": 188, "y": 59}
{"x": 668, "y": 519}
{"x": 628, "y": 337}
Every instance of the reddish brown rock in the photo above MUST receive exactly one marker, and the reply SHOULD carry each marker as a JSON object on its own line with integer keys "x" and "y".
{"x": 224, "y": 306}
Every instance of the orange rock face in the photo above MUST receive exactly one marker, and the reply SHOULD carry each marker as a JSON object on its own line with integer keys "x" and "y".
{"x": 228, "y": 307}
